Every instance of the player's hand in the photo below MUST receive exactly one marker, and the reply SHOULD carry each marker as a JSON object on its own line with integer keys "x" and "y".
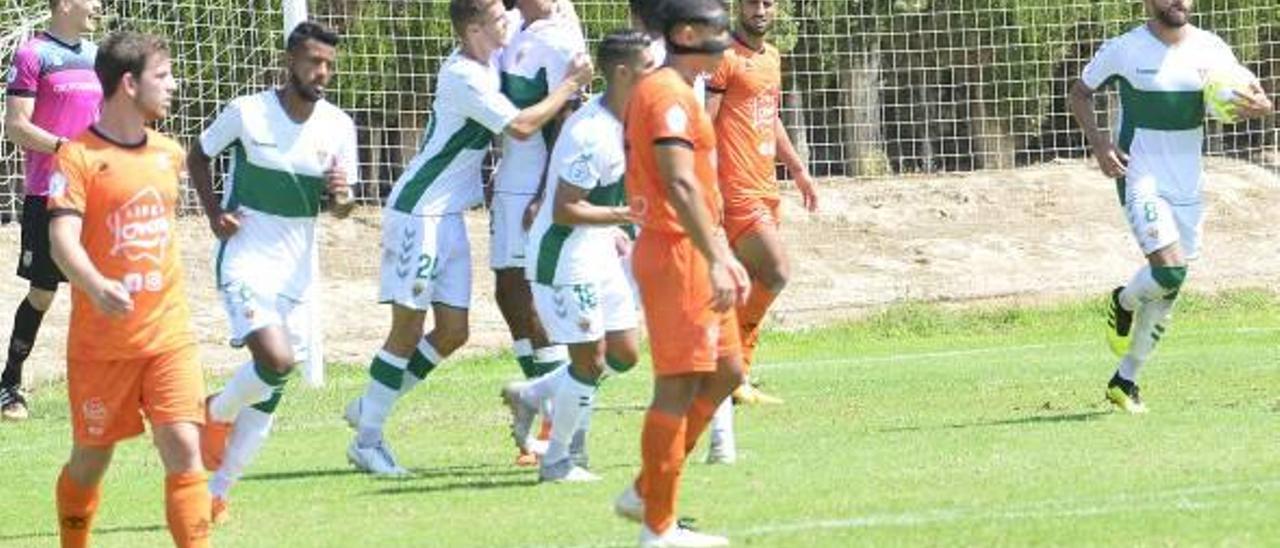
{"x": 730, "y": 284}
{"x": 580, "y": 70}
{"x": 225, "y": 224}
{"x": 335, "y": 181}
{"x": 808, "y": 191}
{"x": 1253, "y": 103}
{"x": 111, "y": 297}
{"x": 530, "y": 213}
{"x": 1113, "y": 161}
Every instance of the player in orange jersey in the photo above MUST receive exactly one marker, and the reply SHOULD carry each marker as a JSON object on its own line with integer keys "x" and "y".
{"x": 745, "y": 95}
{"x": 131, "y": 352}
{"x": 689, "y": 280}
{"x": 745, "y": 99}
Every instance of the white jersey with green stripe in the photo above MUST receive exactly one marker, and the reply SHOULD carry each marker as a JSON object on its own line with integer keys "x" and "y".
{"x": 533, "y": 64}
{"x": 1162, "y": 110}
{"x": 589, "y": 155}
{"x": 276, "y": 182}
{"x": 469, "y": 109}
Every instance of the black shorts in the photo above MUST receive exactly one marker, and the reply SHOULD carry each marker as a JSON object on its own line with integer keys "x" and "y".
{"x": 35, "y": 264}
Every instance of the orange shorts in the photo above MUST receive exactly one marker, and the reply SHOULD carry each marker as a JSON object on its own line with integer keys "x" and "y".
{"x": 685, "y": 335}
{"x": 745, "y": 215}
{"x": 110, "y": 397}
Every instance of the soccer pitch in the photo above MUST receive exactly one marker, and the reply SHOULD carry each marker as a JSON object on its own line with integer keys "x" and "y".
{"x": 919, "y": 425}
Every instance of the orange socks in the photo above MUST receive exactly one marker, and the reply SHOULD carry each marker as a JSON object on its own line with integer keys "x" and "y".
{"x": 662, "y": 448}
{"x": 76, "y": 507}
{"x": 187, "y": 508}
{"x": 696, "y": 420}
{"x": 750, "y": 316}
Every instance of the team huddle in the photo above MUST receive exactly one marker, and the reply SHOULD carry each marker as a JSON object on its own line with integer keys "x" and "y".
{"x": 655, "y": 198}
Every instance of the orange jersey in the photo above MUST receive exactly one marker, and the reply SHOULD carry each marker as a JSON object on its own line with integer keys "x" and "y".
{"x": 749, "y": 83}
{"x": 127, "y": 197}
{"x": 663, "y": 109}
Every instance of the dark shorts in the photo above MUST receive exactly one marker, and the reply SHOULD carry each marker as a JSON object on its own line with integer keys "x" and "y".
{"x": 35, "y": 263}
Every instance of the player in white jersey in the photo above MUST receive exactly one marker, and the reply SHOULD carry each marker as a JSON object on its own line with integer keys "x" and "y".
{"x": 289, "y": 149}
{"x": 532, "y": 64}
{"x": 426, "y": 259}
{"x": 1160, "y": 69}
{"x": 575, "y": 250}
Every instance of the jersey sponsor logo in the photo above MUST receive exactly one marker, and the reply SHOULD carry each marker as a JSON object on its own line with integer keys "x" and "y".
{"x": 140, "y": 228}
{"x": 676, "y": 119}
{"x": 72, "y": 87}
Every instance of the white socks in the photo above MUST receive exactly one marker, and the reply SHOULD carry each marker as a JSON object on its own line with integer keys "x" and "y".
{"x": 247, "y": 437}
{"x": 245, "y": 388}
{"x": 569, "y": 404}
{"x": 378, "y": 397}
{"x": 1142, "y": 288}
{"x": 1149, "y": 328}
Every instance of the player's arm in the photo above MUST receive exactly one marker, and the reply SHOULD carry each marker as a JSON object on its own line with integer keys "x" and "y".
{"x": 531, "y": 120}
{"x": 675, "y": 165}
{"x": 1254, "y": 104}
{"x": 572, "y": 208}
{"x": 342, "y": 172}
{"x": 223, "y": 223}
{"x": 1110, "y": 159}
{"x": 22, "y": 131}
{"x": 109, "y": 296}
{"x": 795, "y": 166}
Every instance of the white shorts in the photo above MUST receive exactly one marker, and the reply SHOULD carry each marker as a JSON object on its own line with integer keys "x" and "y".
{"x": 1157, "y": 224}
{"x": 425, "y": 260}
{"x": 507, "y": 236}
{"x": 249, "y": 310}
{"x": 583, "y": 313}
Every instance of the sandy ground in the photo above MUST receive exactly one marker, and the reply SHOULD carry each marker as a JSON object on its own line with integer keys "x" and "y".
{"x": 1049, "y": 232}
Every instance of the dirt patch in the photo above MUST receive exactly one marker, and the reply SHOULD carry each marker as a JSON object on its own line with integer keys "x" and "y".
{"x": 1047, "y": 232}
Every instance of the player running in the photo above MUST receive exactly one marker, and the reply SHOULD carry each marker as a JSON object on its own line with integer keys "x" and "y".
{"x": 52, "y": 94}
{"x": 426, "y": 260}
{"x": 290, "y": 147}
{"x": 131, "y": 352}
{"x": 576, "y": 244}
{"x": 1160, "y": 68}
{"x": 688, "y": 278}
{"x": 534, "y": 62}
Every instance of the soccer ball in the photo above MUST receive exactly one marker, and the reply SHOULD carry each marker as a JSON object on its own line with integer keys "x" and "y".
{"x": 1220, "y": 91}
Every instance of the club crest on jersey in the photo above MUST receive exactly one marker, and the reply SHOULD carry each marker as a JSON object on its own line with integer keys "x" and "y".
{"x": 11, "y": 76}
{"x": 140, "y": 227}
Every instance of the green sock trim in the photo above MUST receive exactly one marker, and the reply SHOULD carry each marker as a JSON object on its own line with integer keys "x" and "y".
{"x": 542, "y": 368}
{"x": 386, "y": 374}
{"x": 271, "y": 376}
{"x": 573, "y": 374}
{"x": 420, "y": 366}
{"x": 527, "y": 366}
{"x": 1169, "y": 277}
{"x": 269, "y": 406}
{"x": 618, "y": 366}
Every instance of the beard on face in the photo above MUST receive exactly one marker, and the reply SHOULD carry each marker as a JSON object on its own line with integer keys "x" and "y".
{"x": 1172, "y": 17}
{"x": 310, "y": 93}
{"x": 756, "y": 27}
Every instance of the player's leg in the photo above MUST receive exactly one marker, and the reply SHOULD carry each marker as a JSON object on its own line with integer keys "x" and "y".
{"x": 79, "y": 491}
{"x": 622, "y": 347}
{"x": 251, "y": 399}
{"x": 36, "y": 266}
{"x": 1166, "y": 241}
{"x": 172, "y": 396}
{"x": 387, "y": 375}
{"x": 759, "y": 248}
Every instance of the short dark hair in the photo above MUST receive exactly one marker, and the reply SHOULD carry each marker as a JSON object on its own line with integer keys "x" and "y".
{"x": 465, "y": 12}
{"x": 620, "y": 47}
{"x": 647, "y": 12}
{"x": 125, "y": 52}
{"x": 310, "y": 30}
{"x": 693, "y": 12}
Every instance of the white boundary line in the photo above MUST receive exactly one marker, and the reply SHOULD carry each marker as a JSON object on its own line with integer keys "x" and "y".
{"x": 1177, "y": 499}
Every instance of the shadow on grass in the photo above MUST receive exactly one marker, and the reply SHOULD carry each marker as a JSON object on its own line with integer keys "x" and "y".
{"x": 479, "y": 484}
{"x": 96, "y": 532}
{"x": 1036, "y": 419}
{"x": 472, "y": 478}
{"x": 474, "y": 470}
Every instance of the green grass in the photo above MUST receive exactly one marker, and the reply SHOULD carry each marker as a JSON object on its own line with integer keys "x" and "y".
{"x": 920, "y": 425}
